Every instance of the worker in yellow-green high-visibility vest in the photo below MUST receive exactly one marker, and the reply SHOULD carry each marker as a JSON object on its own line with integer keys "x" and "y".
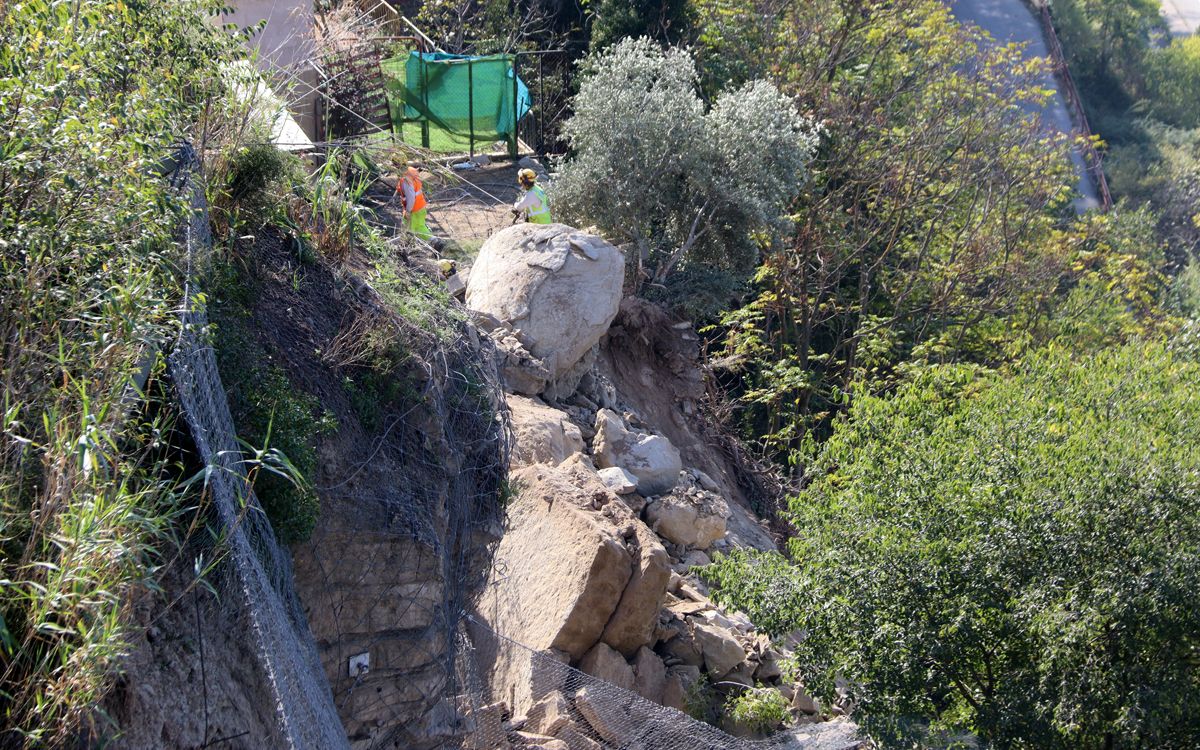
{"x": 533, "y": 204}
{"x": 415, "y": 205}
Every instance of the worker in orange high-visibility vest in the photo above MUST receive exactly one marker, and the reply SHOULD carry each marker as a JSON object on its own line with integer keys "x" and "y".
{"x": 415, "y": 205}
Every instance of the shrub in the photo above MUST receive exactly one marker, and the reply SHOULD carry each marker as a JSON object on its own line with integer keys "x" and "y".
{"x": 1172, "y": 80}
{"x": 761, "y": 710}
{"x": 651, "y": 168}
{"x": 94, "y": 99}
{"x": 1016, "y": 555}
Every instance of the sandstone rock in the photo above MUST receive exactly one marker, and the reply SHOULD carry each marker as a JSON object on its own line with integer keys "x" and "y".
{"x": 678, "y": 683}
{"x": 534, "y": 741}
{"x": 560, "y": 573}
{"x": 694, "y": 518}
{"x": 522, "y": 372}
{"x": 604, "y": 663}
{"x": 649, "y": 457}
{"x": 488, "y": 733}
{"x": 609, "y": 716}
{"x": 722, "y": 651}
{"x": 543, "y": 434}
{"x": 618, "y": 480}
{"x": 549, "y": 715}
{"x": 683, "y": 650}
{"x": 576, "y": 739}
{"x": 804, "y": 702}
{"x": 768, "y": 670}
{"x": 696, "y": 559}
{"x": 632, "y": 624}
{"x": 649, "y": 675}
{"x": 674, "y": 693}
{"x": 560, "y": 287}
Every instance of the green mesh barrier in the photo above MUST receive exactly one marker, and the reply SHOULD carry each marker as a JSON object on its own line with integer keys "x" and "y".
{"x": 453, "y": 103}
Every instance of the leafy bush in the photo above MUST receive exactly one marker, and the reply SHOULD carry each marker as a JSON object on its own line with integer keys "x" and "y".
{"x": 273, "y": 417}
{"x": 761, "y": 710}
{"x": 1172, "y": 81}
{"x": 651, "y": 168}
{"x": 665, "y": 21}
{"x": 761, "y": 584}
{"x": 1015, "y": 554}
{"x": 94, "y": 99}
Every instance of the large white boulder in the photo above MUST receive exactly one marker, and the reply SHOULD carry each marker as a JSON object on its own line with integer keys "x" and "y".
{"x": 649, "y": 457}
{"x": 559, "y": 287}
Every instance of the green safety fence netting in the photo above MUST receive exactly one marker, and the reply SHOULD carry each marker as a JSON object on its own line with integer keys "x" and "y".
{"x": 454, "y": 103}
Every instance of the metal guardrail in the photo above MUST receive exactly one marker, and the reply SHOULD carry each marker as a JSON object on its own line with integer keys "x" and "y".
{"x": 1095, "y": 165}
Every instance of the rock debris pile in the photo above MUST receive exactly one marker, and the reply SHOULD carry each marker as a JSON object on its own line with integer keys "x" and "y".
{"x": 606, "y": 521}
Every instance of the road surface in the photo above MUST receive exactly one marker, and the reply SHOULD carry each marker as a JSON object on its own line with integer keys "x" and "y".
{"x": 1183, "y": 16}
{"x": 1012, "y": 21}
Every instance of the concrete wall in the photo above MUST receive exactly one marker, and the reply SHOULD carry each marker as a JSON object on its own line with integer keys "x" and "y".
{"x": 284, "y": 47}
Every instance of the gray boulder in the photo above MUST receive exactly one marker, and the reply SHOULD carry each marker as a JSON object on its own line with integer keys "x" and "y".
{"x": 649, "y": 457}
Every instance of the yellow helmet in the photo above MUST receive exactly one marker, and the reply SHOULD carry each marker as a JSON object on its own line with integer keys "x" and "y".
{"x": 526, "y": 177}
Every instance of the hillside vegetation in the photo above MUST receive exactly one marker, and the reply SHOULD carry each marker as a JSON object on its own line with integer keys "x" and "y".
{"x": 980, "y": 407}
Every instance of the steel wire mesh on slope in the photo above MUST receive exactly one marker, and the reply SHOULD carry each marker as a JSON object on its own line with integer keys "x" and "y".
{"x": 260, "y": 567}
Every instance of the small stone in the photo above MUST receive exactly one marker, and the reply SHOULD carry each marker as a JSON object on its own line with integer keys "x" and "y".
{"x": 618, "y": 480}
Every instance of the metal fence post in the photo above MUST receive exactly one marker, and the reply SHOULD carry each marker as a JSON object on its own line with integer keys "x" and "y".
{"x": 471, "y": 106}
{"x": 425, "y": 100}
{"x": 512, "y": 147}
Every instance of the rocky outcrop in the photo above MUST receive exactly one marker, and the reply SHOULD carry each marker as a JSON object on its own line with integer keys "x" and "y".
{"x": 559, "y": 287}
{"x": 649, "y": 457}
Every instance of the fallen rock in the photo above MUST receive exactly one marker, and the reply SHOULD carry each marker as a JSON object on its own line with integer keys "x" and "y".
{"x": 603, "y": 663}
{"x": 805, "y": 703}
{"x": 521, "y": 371}
{"x": 649, "y": 675}
{"x": 488, "y": 726}
{"x": 618, "y": 480}
{"x": 633, "y": 622}
{"x": 542, "y": 434}
{"x": 606, "y": 716}
{"x": 677, "y": 686}
{"x": 549, "y": 715}
{"x": 534, "y": 741}
{"x": 576, "y": 739}
{"x": 722, "y": 651}
{"x": 561, "y": 570}
{"x": 649, "y": 457}
{"x": 692, "y": 518}
{"x": 560, "y": 287}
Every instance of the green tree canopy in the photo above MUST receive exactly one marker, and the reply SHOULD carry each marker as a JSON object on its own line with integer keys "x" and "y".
{"x": 1019, "y": 555}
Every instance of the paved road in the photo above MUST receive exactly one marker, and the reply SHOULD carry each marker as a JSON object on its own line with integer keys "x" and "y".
{"x": 1183, "y": 16}
{"x": 1013, "y": 21}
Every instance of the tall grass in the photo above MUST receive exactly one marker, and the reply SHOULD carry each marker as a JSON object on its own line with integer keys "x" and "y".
{"x": 93, "y": 97}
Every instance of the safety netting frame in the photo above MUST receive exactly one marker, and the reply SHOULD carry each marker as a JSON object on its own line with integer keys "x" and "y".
{"x": 455, "y": 103}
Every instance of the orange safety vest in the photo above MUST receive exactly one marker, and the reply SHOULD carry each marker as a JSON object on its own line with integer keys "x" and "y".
{"x": 419, "y": 195}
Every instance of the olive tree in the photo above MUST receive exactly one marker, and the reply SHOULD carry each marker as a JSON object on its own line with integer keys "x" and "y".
{"x": 649, "y": 166}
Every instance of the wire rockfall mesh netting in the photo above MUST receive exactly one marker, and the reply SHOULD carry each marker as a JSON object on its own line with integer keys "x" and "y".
{"x": 587, "y": 713}
{"x": 260, "y": 567}
{"x": 367, "y": 642}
